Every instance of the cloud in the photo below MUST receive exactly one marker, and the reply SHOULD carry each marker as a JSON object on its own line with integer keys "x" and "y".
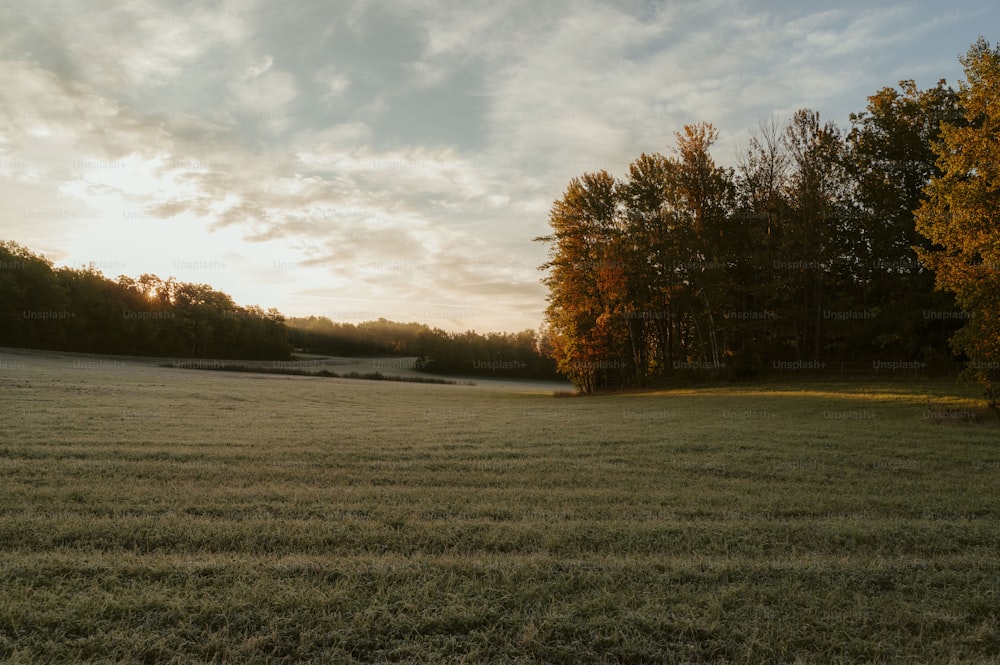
{"x": 399, "y": 156}
{"x": 120, "y": 47}
{"x": 264, "y": 93}
{"x": 333, "y": 82}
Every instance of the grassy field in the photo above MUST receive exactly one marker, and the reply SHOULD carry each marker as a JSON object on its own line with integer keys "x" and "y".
{"x": 152, "y": 514}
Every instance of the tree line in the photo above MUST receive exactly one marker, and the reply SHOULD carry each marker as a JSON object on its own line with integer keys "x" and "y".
{"x": 79, "y": 309}
{"x": 874, "y": 244}
{"x": 522, "y": 355}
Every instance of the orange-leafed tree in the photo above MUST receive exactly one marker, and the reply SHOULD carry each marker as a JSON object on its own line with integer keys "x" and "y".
{"x": 584, "y": 281}
{"x": 961, "y": 215}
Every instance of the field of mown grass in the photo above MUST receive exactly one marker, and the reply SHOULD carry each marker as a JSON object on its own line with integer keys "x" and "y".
{"x": 152, "y": 514}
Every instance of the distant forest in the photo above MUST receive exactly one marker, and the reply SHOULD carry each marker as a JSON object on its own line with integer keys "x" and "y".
{"x": 70, "y": 309}
{"x": 878, "y": 246}
{"x": 81, "y": 310}
{"x": 521, "y": 355}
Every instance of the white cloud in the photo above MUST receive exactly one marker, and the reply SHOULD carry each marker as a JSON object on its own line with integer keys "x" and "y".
{"x": 333, "y": 81}
{"x": 122, "y": 46}
{"x": 264, "y": 93}
{"x": 256, "y": 135}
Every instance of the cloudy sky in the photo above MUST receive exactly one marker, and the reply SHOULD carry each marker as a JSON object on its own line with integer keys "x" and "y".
{"x": 365, "y": 159}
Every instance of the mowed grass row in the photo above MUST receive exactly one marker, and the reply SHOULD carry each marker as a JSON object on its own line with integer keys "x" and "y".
{"x": 155, "y": 514}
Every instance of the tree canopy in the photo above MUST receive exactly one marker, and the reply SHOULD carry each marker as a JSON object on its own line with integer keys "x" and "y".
{"x": 82, "y": 310}
{"x": 807, "y": 254}
{"x": 961, "y": 214}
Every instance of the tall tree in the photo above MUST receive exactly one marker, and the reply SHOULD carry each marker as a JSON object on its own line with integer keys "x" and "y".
{"x": 32, "y": 301}
{"x": 891, "y": 159}
{"x": 638, "y": 280}
{"x": 650, "y": 250}
{"x": 816, "y": 240}
{"x": 961, "y": 215}
{"x": 759, "y": 274}
{"x": 584, "y": 315}
{"x": 706, "y": 200}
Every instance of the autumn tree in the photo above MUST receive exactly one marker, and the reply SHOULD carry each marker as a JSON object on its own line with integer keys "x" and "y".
{"x": 805, "y": 252}
{"x": 637, "y": 281}
{"x": 961, "y": 215}
{"x": 584, "y": 315}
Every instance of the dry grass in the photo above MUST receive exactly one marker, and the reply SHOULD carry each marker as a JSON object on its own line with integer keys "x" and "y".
{"x": 152, "y": 514}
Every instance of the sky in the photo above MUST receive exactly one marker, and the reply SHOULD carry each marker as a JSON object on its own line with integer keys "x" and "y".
{"x": 358, "y": 160}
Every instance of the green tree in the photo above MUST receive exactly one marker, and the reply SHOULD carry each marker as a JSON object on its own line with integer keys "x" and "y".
{"x": 816, "y": 239}
{"x": 705, "y": 203}
{"x": 31, "y": 298}
{"x": 649, "y": 250}
{"x": 758, "y": 274}
{"x": 891, "y": 159}
{"x": 961, "y": 215}
{"x": 81, "y": 310}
